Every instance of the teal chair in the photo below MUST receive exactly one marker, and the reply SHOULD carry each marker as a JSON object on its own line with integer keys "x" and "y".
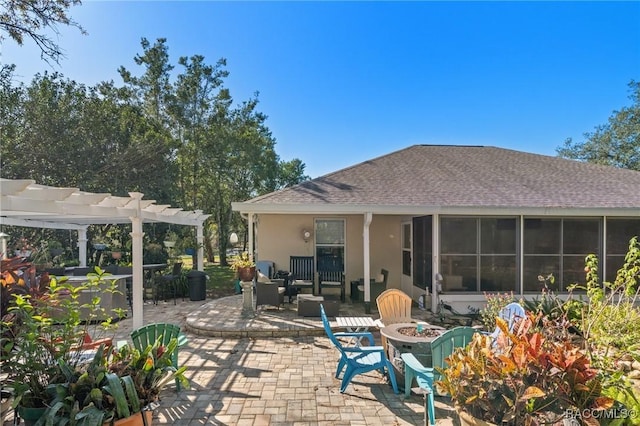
{"x": 358, "y": 360}
{"x": 441, "y": 347}
{"x": 148, "y": 334}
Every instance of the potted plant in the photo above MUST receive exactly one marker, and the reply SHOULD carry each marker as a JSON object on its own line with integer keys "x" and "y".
{"x": 41, "y": 330}
{"x": 119, "y": 386}
{"x": 244, "y": 267}
{"x": 533, "y": 375}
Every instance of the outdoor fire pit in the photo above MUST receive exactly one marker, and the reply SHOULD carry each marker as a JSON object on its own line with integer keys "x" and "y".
{"x": 414, "y": 338}
{"x": 413, "y": 331}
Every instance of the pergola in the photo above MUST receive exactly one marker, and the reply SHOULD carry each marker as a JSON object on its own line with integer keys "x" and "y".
{"x": 25, "y": 203}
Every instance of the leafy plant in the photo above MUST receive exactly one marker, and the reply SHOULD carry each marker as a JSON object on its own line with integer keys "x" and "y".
{"x": 532, "y": 376}
{"x": 114, "y": 385}
{"x": 610, "y": 324}
{"x": 241, "y": 261}
{"x": 491, "y": 310}
{"x": 41, "y": 330}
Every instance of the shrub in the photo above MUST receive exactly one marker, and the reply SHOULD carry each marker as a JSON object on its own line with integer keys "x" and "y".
{"x": 495, "y": 303}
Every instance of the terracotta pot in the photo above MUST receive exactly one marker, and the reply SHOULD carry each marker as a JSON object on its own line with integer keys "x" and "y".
{"x": 247, "y": 274}
{"x": 467, "y": 419}
{"x": 134, "y": 420}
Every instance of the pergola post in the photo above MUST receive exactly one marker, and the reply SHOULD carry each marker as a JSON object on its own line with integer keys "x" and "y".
{"x": 137, "y": 290}
{"x": 82, "y": 246}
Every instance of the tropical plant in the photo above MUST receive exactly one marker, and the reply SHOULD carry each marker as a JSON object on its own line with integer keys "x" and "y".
{"x": 114, "y": 385}
{"x": 42, "y": 329}
{"x": 241, "y": 261}
{"x": 491, "y": 310}
{"x": 610, "y": 324}
{"x": 532, "y": 376}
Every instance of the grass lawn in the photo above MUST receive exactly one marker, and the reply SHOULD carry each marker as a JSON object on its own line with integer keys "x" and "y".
{"x": 221, "y": 281}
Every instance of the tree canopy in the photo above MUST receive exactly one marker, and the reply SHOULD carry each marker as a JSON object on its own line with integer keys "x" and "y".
{"x": 180, "y": 139}
{"x": 22, "y": 19}
{"x": 616, "y": 143}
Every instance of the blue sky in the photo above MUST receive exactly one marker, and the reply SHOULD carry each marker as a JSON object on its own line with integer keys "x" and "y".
{"x": 343, "y": 82}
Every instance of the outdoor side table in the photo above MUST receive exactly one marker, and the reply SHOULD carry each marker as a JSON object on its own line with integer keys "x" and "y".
{"x": 356, "y": 325}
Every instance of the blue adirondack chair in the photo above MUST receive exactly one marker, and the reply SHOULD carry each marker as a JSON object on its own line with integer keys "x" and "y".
{"x": 358, "y": 360}
{"x": 441, "y": 347}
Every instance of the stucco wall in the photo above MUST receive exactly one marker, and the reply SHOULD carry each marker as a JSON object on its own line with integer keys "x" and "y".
{"x": 280, "y": 236}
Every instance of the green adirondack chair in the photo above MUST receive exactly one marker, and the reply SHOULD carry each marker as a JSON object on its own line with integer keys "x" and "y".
{"x": 441, "y": 347}
{"x": 148, "y": 334}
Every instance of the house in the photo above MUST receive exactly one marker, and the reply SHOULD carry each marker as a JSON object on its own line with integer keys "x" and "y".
{"x": 454, "y": 221}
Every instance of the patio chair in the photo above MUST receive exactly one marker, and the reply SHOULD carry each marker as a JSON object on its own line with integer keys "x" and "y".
{"x": 269, "y": 293}
{"x": 394, "y": 306}
{"x": 511, "y": 314}
{"x": 331, "y": 275}
{"x": 375, "y": 287}
{"x": 168, "y": 281}
{"x": 301, "y": 273}
{"x": 356, "y": 360}
{"x": 148, "y": 334}
{"x": 441, "y": 347}
{"x": 267, "y": 267}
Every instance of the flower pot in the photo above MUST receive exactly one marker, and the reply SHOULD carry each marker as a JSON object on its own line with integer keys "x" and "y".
{"x": 116, "y": 255}
{"x": 30, "y": 415}
{"x": 133, "y": 420}
{"x": 247, "y": 274}
{"x": 467, "y": 419}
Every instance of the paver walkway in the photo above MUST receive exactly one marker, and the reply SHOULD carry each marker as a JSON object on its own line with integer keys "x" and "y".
{"x": 271, "y": 369}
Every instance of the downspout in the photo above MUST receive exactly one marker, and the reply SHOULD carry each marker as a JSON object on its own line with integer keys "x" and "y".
{"x": 136, "y": 257}
{"x": 436, "y": 281}
{"x": 368, "y": 217}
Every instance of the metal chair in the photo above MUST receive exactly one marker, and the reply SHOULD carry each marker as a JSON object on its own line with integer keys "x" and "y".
{"x": 358, "y": 359}
{"x": 169, "y": 280}
{"x": 441, "y": 347}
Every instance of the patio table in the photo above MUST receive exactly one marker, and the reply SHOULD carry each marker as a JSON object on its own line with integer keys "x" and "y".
{"x": 356, "y": 325}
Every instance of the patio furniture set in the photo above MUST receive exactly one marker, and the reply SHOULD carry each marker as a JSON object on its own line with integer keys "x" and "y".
{"x": 415, "y": 356}
{"x": 273, "y": 286}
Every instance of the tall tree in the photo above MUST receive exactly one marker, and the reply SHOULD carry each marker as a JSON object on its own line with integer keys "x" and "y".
{"x": 89, "y": 137}
{"x": 22, "y": 19}
{"x": 197, "y": 93}
{"x": 153, "y": 88}
{"x": 616, "y": 143}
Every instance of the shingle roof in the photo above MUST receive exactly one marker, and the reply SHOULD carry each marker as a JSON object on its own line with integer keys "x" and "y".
{"x": 467, "y": 176}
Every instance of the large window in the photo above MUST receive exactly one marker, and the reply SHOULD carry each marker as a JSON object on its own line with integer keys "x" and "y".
{"x": 619, "y": 233}
{"x": 558, "y": 247}
{"x": 478, "y": 254}
{"x": 330, "y": 242}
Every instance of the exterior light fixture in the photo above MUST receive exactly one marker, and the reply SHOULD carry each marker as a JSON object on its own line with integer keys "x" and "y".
{"x": 233, "y": 238}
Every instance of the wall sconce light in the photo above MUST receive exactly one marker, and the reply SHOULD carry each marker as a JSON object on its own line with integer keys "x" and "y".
{"x": 306, "y": 235}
